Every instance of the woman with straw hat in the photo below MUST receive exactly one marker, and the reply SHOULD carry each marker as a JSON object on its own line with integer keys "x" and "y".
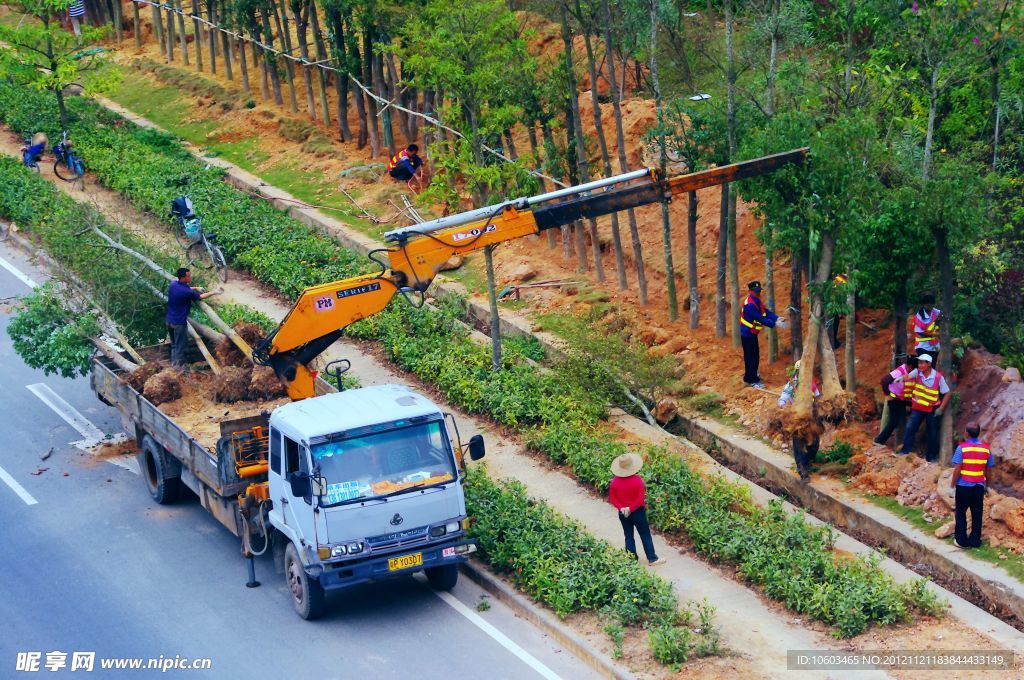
{"x": 628, "y": 494}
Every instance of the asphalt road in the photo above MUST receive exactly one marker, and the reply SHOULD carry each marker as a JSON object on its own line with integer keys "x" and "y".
{"x": 90, "y": 564}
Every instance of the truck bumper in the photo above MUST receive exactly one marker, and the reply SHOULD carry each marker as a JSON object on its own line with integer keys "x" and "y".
{"x": 377, "y": 569}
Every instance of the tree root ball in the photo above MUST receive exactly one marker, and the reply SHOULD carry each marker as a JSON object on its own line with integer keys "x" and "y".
{"x": 137, "y": 378}
{"x": 229, "y": 355}
{"x": 231, "y": 385}
{"x": 264, "y": 384}
{"x": 789, "y": 424}
{"x": 163, "y": 387}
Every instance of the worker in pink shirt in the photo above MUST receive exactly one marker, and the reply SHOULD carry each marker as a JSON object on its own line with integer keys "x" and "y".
{"x": 629, "y": 496}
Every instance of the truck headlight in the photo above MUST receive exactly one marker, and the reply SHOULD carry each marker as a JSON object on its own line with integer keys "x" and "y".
{"x": 452, "y": 527}
{"x": 338, "y": 551}
{"x": 437, "y": 531}
{"x": 354, "y": 548}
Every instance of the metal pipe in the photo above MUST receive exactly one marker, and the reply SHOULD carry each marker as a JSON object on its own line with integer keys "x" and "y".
{"x": 520, "y": 203}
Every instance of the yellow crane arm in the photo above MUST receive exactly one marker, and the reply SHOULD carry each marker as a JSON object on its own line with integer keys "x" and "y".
{"x": 417, "y": 253}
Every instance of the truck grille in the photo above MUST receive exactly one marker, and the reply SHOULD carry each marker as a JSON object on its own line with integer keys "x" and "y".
{"x": 398, "y": 539}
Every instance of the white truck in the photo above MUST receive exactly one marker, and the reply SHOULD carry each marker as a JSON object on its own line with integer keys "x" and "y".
{"x": 345, "y": 487}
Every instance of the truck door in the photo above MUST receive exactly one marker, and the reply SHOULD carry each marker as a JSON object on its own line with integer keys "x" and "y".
{"x": 298, "y": 510}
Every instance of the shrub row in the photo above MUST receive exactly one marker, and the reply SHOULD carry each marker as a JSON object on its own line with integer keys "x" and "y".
{"x": 151, "y": 168}
{"x": 789, "y": 558}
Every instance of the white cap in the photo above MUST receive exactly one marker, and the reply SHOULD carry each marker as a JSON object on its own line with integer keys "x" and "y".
{"x": 925, "y": 357}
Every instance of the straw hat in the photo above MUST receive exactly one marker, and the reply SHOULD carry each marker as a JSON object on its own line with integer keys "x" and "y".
{"x": 627, "y": 465}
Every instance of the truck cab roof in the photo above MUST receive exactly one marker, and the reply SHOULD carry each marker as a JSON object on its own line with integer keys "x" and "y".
{"x": 333, "y": 413}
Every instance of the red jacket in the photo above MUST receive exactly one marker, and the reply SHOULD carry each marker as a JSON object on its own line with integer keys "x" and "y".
{"x": 627, "y": 492}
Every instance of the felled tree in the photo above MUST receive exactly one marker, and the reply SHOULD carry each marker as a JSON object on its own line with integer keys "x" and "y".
{"x": 40, "y": 52}
{"x": 55, "y": 338}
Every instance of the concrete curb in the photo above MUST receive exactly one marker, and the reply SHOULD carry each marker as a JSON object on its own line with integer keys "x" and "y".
{"x": 538, "y": 616}
{"x": 925, "y": 553}
{"x": 937, "y": 558}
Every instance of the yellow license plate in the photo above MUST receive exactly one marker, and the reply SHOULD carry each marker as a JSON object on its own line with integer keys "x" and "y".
{"x": 405, "y": 561}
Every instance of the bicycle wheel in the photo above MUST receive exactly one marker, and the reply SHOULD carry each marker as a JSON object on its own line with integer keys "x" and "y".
{"x": 63, "y": 171}
{"x": 179, "y": 234}
{"x": 220, "y": 262}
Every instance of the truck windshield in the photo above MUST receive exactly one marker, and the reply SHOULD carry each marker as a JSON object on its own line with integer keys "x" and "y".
{"x": 383, "y": 463}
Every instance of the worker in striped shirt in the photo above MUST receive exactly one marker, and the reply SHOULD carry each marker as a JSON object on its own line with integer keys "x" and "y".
{"x": 971, "y": 462}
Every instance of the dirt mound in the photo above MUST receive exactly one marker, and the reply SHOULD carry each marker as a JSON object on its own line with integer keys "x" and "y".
{"x": 882, "y": 472}
{"x": 163, "y": 387}
{"x": 231, "y": 385}
{"x": 137, "y": 378}
{"x": 264, "y": 384}
{"x": 989, "y": 397}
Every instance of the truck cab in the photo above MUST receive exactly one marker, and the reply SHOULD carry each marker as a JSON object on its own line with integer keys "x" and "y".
{"x": 364, "y": 485}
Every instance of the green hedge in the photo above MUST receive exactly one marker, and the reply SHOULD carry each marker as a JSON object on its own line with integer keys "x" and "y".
{"x": 790, "y": 559}
{"x": 144, "y": 165}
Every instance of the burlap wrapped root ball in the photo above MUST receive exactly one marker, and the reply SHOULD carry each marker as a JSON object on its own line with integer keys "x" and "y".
{"x": 163, "y": 387}
{"x": 232, "y": 384}
{"x": 264, "y": 384}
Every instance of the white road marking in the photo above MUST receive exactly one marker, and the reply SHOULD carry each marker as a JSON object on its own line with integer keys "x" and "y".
{"x": 497, "y": 635}
{"x": 17, "y": 488}
{"x": 20, "y": 275}
{"x": 93, "y": 435}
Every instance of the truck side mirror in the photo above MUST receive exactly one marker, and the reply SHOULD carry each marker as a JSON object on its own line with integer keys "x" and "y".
{"x": 476, "y": 447}
{"x": 301, "y": 484}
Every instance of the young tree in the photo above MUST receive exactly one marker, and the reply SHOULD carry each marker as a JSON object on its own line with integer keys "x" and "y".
{"x": 473, "y": 52}
{"x": 39, "y": 52}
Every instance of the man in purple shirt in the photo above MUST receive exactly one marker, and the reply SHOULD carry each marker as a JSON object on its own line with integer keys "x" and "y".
{"x": 180, "y": 297}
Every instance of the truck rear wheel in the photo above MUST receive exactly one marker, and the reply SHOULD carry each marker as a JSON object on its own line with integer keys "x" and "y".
{"x": 163, "y": 478}
{"x": 444, "y": 577}
{"x": 307, "y": 594}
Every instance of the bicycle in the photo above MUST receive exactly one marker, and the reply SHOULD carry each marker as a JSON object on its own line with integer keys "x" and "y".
{"x": 31, "y": 153}
{"x": 67, "y": 166}
{"x": 191, "y": 236}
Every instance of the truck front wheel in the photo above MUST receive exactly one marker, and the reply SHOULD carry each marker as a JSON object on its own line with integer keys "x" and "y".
{"x": 163, "y": 484}
{"x": 307, "y": 594}
{"x": 444, "y": 577}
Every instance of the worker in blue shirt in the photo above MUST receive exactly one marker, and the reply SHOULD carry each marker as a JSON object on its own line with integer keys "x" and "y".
{"x": 180, "y": 297}
{"x": 754, "y": 317}
{"x": 971, "y": 461}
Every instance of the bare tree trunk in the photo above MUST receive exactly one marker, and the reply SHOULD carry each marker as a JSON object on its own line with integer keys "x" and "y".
{"x": 634, "y": 232}
{"x": 666, "y": 222}
{"x": 900, "y": 314}
{"x": 225, "y": 45}
{"x": 723, "y": 241}
{"x": 321, "y": 56}
{"x": 118, "y": 22}
{"x": 773, "y": 60}
{"x": 158, "y": 27}
{"x": 136, "y": 25}
{"x": 170, "y": 36}
{"x": 851, "y": 334}
{"x": 371, "y": 104}
{"x": 796, "y": 305}
{"x": 211, "y": 16}
{"x": 198, "y": 30}
{"x": 243, "y": 62}
{"x": 492, "y": 300}
{"x": 269, "y": 58}
{"x": 947, "y": 285}
{"x": 300, "y": 15}
{"x": 181, "y": 30}
{"x": 577, "y": 131}
{"x": 769, "y": 287}
{"x": 803, "y": 401}
{"x": 691, "y": 258}
{"x": 830, "y": 385}
{"x": 380, "y": 86}
{"x": 281, "y": 19}
{"x": 730, "y": 120}
{"x": 620, "y": 263}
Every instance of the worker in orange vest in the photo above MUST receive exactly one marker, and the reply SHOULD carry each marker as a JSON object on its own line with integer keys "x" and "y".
{"x": 898, "y": 390}
{"x": 971, "y": 461}
{"x": 930, "y": 396}
{"x": 926, "y": 326}
{"x": 404, "y": 164}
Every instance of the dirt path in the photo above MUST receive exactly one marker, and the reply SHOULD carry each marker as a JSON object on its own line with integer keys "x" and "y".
{"x": 758, "y": 631}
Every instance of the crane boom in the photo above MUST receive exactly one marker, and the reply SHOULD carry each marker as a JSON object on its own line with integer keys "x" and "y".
{"x": 416, "y": 253}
